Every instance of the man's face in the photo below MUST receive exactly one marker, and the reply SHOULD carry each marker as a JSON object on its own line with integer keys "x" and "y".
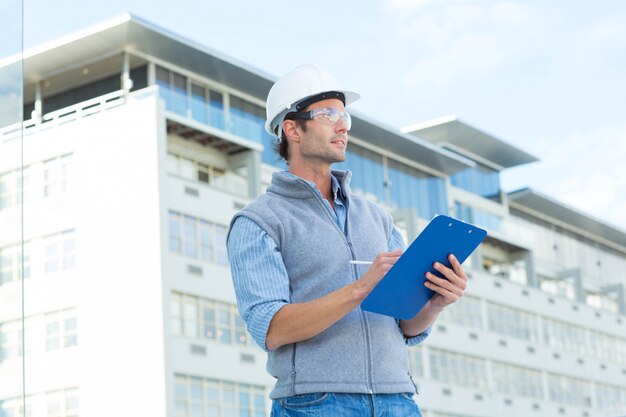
{"x": 324, "y": 141}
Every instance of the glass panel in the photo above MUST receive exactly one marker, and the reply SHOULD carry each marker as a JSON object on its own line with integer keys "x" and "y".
{"x": 479, "y": 180}
{"x": 368, "y": 174}
{"x": 220, "y": 244}
{"x": 411, "y": 188}
{"x": 12, "y": 321}
{"x": 247, "y": 119}
{"x": 216, "y": 109}
{"x": 179, "y": 93}
{"x": 199, "y": 107}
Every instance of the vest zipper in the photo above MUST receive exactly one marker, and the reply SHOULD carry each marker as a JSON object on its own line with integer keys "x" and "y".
{"x": 414, "y": 384}
{"x": 363, "y": 319}
{"x": 293, "y": 370}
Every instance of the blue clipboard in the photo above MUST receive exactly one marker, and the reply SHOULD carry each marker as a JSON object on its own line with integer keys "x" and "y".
{"x": 401, "y": 293}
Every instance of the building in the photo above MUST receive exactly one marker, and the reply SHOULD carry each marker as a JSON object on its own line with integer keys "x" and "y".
{"x": 140, "y": 146}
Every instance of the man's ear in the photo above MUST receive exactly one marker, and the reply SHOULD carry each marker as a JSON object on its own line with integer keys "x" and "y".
{"x": 292, "y": 131}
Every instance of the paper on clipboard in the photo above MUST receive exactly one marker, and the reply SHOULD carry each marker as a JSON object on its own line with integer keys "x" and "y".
{"x": 401, "y": 293}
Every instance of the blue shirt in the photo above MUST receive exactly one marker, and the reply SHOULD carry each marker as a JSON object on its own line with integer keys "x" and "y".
{"x": 259, "y": 275}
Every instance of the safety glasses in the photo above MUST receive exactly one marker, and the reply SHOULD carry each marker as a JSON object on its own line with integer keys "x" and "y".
{"x": 329, "y": 115}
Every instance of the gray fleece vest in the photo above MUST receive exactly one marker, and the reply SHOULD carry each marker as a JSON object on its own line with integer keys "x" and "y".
{"x": 363, "y": 352}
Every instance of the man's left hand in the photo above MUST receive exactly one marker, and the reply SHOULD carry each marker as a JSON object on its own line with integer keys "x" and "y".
{"x": 449, "y": 289}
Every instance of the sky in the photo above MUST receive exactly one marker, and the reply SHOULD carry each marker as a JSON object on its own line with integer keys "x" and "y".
{"x": 546, "y": 77}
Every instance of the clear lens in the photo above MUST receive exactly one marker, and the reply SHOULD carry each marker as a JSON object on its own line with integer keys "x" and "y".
{"x": 332, "y": 116}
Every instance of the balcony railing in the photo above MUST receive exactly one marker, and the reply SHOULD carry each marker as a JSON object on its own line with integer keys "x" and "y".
{"x": 70, "y": 113}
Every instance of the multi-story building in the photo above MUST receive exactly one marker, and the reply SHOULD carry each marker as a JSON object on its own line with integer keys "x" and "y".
{"x": 138, "y": 148}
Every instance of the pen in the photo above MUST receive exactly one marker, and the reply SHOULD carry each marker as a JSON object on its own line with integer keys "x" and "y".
{"x": 361, "y": 262}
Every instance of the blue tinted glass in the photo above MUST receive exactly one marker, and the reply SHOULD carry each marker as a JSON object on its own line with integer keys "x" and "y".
{"x": 199, "y": 107}
{"x": 216, "y": 111}
{"x": 217, "y": 116}
{"x": 367, "y": 171}
{"x": 269, "y": 155}
{"x": 476, "y": 216}
{"x": 412, "y": 188}
{"x": 247, "y": 119}
{"x": 479, "y": 180}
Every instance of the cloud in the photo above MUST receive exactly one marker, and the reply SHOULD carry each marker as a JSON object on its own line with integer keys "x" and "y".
{"x": 469, "y": 54}
{"x": 407, "y": 4}
{"x": 453, "y": 40}
{"x": 509, "y": 12}
{"x": 588, "y": 171}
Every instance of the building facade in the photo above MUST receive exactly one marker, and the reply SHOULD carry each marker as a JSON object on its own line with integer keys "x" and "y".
{"x": 138, "y": 148}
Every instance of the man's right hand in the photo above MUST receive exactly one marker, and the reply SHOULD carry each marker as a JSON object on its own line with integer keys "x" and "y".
{"x": 301, "y": 321}
{"x": 379, "y": 268}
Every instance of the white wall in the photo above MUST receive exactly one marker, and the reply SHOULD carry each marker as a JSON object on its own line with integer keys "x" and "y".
{"x": 118, "y": 232}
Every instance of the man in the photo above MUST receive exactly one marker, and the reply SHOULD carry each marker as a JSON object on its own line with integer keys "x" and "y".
{"x": 290, "y": 253}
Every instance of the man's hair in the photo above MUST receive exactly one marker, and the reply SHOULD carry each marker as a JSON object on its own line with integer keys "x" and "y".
{"x": 282, "y": 146}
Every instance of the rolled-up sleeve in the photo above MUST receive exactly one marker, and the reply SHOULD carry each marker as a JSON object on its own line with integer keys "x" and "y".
{"x": 259, "y": 277}
{"x": 396, "y": 241}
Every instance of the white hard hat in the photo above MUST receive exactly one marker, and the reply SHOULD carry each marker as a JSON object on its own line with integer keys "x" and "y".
{"x": 294, "y": 88}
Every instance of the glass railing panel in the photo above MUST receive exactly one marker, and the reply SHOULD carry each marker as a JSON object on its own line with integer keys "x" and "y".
{"x": 247, "y": 128}
{"x": 15, "y": 343}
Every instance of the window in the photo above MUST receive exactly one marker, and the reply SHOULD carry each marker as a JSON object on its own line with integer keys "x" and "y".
{"x": 458, "y": 369}
{"x": 173, "y": 90}
{"x": 59, "y": 252}
{"x": 438, "y": 414}
{"x": 9, "y": 339}
{"x": 204, "y": 172}
{"x": 410, "y": 187}
{"x": 197, "y": 238}
{"x": 11, "y": 263}
{"x": 514, "y": 271}
{"x": 61, "y": 330}
{"x": 562, "y": 287}
{"x": 10, "y": 189}
{"x": 43, "y": 179}
{"x": 602, "y": 301}
{"x": 55, "y": 174}
{"x": 480, "y": 180}
{"x": 559, "y": 335}
{"x": 207, "y": 106}
{"x": 569, "y": 391}
{"x": 610, "y": 399}
{"x": 512, "y": 322}
{"x": 415, "y": 361}
{"x": 477, "y": 216}
{"x": 248, "y": 119}
{"x": 13, "y": 407}
{"x": 204, "y": 397}
{"x": 62, "y": 403}
{"x": 368, "y": 172}
{"x": 607, "y": 347}
{"x": 466, "y": 312}
{"x": 514, "y": 380}
{"x": 203, "y": 318}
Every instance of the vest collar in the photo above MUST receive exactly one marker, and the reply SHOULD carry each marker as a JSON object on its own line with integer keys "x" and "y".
{"x": 288, "y": 185}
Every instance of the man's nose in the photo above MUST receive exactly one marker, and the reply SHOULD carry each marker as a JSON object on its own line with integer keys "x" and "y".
{"x": 341, "y": 126}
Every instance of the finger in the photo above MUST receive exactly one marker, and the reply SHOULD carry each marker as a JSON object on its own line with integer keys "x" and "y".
{"x": 435, "y": 281}
{"x": 450, "y": 275}
{"x": 449, "y": 296}
{"x": 456, "y": 266}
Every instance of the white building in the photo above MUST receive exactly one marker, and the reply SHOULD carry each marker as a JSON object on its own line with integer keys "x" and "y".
{"x": 140, "y": 146}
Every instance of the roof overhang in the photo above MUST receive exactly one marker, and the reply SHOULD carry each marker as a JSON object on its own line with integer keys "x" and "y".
{"x": 410, "y": 147}
{"x": 548, "y": 209}
{"x": 127, "y": 33}
{"x": 130, "y": 33}
{"x": 449, "y": 132}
